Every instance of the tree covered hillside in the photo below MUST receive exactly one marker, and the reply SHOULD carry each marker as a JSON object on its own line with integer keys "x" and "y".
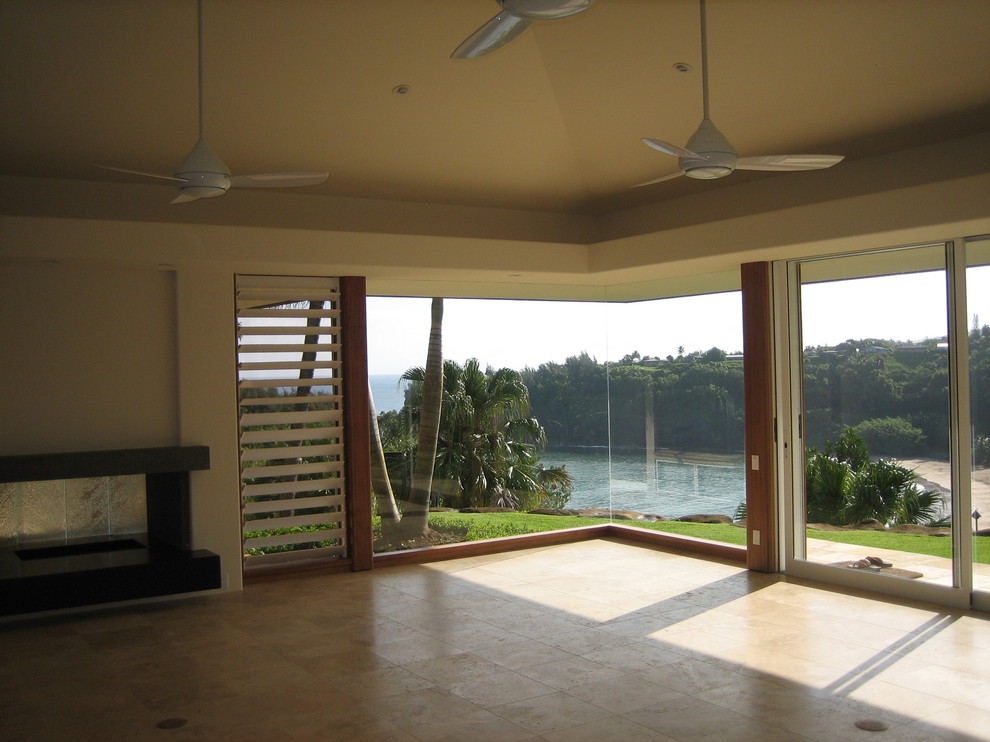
{"x": 696, "y": 400}
{"x": 894, "y": 394}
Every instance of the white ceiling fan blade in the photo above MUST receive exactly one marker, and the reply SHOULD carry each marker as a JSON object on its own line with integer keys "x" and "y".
{"x": 499, "y": 31}
{"x": 140, "y": 172}
{"x": 662, "y": 178}
{"x": 788, "y": 162}
{"x": 671, "y": 149}
{"x": 184, "y": 198}
{"x": 278, "y": 180}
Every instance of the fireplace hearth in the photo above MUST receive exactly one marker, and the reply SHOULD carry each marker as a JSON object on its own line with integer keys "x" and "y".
{"x": 40, "y": 575}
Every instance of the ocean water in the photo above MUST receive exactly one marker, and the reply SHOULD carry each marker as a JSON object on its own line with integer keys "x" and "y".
{"x": 387, "y": 390}
{"x": 627, "y": 482}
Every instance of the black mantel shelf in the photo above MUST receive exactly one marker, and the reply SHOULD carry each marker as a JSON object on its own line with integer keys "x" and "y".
{"x": 68, "y": 573}
{"x": 44, "y": 466}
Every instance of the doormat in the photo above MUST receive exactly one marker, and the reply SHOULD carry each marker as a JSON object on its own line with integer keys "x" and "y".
{"x": 889, "y": 571}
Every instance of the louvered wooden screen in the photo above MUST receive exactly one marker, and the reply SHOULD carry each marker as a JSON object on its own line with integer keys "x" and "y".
{"x": 291, "y": 423}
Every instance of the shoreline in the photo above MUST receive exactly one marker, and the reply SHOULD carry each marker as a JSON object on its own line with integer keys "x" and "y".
{"x": 938, "y": 474}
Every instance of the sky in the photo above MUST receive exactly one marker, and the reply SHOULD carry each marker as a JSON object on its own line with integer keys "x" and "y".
{"x": 900, "y": 307}
{"x": 517, "y": 334}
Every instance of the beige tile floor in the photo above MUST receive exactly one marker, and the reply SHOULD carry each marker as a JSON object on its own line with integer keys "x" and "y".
{"x": 595, "y": 641}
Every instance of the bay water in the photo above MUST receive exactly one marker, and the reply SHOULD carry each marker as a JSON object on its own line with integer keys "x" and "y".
{"x": 627, "y": 481}
{"x": 669, "y": 487}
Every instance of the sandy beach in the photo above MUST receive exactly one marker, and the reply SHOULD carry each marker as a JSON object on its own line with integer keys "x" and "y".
{"x": 936, "y": 474}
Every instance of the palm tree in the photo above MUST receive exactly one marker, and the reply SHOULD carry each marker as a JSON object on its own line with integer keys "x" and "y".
{"x": 844, "y": 487}
{"x": 414, "y": 522}
{"x": 487, "y": 448}
{"x": 381, "y": 485}
{"x": 557, "y": 485}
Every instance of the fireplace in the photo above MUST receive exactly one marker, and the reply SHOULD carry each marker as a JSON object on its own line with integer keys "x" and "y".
{"x": 132, "y": 541}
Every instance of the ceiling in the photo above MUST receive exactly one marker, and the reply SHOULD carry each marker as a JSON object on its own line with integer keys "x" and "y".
{"x": 551, "y": 122}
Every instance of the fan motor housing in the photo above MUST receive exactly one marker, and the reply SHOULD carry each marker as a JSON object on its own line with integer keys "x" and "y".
{"x": 204, "y": 185}
{"x": 718, "y": 157}
{"x": 718, "y": 165}
{"x": 543, "y": 10}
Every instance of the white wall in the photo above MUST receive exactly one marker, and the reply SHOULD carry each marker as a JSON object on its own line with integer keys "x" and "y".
{"x": 208, "y": 410}
{"x": 87, "y": 359}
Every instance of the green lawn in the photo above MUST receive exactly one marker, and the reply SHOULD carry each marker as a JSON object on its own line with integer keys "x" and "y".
{"x": 940, "y": 546}
{"x": 476, "y": 526}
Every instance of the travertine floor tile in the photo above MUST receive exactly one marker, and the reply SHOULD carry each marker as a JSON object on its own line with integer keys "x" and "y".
{"x": 516, "y": 655}
{"x": 550, "y": 712}
{"x": 566, "y": 673}
{"x": 500, "y": 688}
{"x": 600, "y": 640}
{"x": 623, "y": 693}
{"x": 612, "y": 728}
{"x": 686, "y": 718}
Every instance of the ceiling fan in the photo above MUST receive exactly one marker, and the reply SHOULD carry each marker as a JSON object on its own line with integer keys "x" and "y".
{"x": 708, "y": 154}
{"x": 515, "y": 18}
{"x": 202, "y": 174}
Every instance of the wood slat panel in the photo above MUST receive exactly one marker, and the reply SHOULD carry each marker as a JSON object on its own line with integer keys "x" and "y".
{"x": 249, "y": 282}
{"x": 306, "y": 485}
{"x": 298, "y": 503}
{"x": 288, "y": 557}
{"x": 308, "y": 399}
{"x": 257, "y": 297}
{"x": 290, "y": 470}
{"x": 291, "y": 452}
{"x": 329, "y": 434}
{"x": 278, "y": 329}
{"x": 332, "y": 520}
{"x": 252, "y": 419}
{"x": 300, "y": 330}
{"x": 288, "y": 348}
{"x": 293, "y": 538}
{"x": 285, "y": 365}
{"x": 273, "y": 312}
{"x": 275, "y": 383}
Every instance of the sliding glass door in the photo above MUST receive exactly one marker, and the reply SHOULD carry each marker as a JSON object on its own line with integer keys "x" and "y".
{"x": 978, "y": 369}
{"x": 885, "y": 371}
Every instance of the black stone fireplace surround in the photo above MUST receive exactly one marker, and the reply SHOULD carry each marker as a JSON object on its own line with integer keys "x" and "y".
{"x": 66, "y": 573}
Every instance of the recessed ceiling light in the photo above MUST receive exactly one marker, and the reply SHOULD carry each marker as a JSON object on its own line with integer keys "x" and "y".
{"x": 401, "y": 89}
{"x": 683, "y": 67}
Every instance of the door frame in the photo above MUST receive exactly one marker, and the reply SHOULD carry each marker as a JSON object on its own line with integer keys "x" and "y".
{"x": 790, "y": 441}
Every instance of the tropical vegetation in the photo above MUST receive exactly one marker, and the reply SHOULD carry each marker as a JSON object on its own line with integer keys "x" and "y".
{"x": 844, "y": 486}
{"x": 488, "y": 444}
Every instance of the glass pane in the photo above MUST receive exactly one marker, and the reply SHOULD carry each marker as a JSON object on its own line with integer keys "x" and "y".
{"x": 978, "y": 306}
{"x": 525, "y": 442}
{"x": 676, "y": 415}
{"x": 876, "y": 414}
{"x": 523, "y": 419}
